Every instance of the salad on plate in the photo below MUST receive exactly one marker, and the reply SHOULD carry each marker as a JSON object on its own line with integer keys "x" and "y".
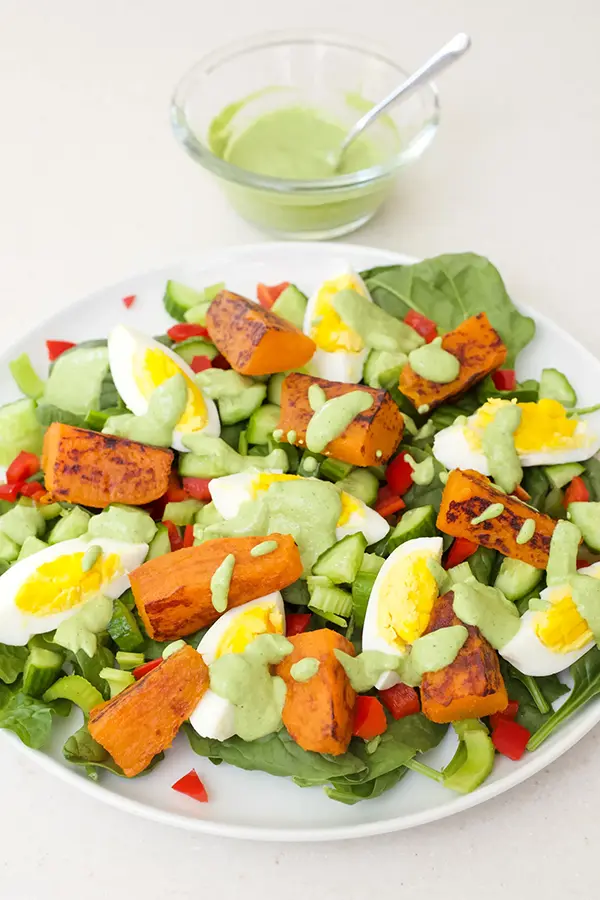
{"x": 313, "y": 531}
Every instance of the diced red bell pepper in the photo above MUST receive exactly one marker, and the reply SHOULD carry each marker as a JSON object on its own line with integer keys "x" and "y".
{"x": 191, "y": 786}
{"x": 146, "y": 667}
{"x": 268, "y": 295}
{"x": 184, "y": 331}
{"x": 22, "y": 467}
{"x": 55, "y": 348}
{"x": 200, "y": 363}
{"x": 422, "y": 325}
{"x": 583, "y": 563}
{"x": 32, "y": 489}
{"x": 197, "y": 488}
{"x": 509, "y": 712}
{"x": 188, "y": 536}
{"x": 10, "y": 492}
{"x": 504, "y": 379}
{"x": 219, "y": 362}
{"x": 296, "y": 623}
{"x": 129, "y": 301}
{"x": 174, "y": 536}
{"x": 175, "y": 492}
{"x": 576, "y": 492}
{"x": 510, "y": 738}
{"x": 369, "y": 718}
{"x": 460, "y": 550}
{"x": 388, "y": 502}
{"x": 400, "y": 701}
{"x": 399, "y": 475}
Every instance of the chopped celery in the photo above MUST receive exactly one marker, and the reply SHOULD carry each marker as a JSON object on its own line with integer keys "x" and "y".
{"x": 117, "y": 680}
{"x": 160, "y": 543}
{"x": 335, "y": 469}
{"x": 27, "y": 379}
{"x": 129, "y": 660}
{"x": 76, "y": 689}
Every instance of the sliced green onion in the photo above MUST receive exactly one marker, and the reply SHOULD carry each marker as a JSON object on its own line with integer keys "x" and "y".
{"x": 130, "y": 660}
{"x": 27, "y": 379}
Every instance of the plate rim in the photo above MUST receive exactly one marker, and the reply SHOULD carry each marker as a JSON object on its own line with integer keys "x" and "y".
{"x": 543, "y": 757}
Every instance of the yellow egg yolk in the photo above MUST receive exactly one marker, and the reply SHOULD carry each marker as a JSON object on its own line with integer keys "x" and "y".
{"x": 350, "y": 505}
{"x": 405, "y": 601}
{"x": 328, "y": 330}
{"x": 61, "y": 585}
{"x": 561, "y": 628}
{"x": 246, "y": 626}
{"x": 153, "y": 369}
{"x": 544, "y": 426}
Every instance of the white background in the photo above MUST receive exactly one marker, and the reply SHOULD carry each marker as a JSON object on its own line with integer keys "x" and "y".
{"x": 93, "y": 187}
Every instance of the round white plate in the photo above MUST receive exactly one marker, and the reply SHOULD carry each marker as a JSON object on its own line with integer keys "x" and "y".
{"x": 252, "y": 804}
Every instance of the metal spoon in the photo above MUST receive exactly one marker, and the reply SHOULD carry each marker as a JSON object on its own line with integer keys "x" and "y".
{"x": 448, "y": 54}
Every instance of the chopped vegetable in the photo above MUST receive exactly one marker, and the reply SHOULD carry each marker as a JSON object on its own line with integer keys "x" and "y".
{"x": 22, "y": 467}
{"x": 400, "y": 701}
{"x": 422, "y": 325}
{"x": 504, "y": 379}
{"x": 479, "y": 351}
{"x": 388, "y": 502}
{"x": 460, "y": 550}
{"x": 10, "y": 492}
{"x": 369, "y": 718}
{"x": 188, "y": 536}
{"x": 143, "y": 719}
{"x": 399, "y": 474}
{"x": 510, "y": 738}
{"x": 509, "y": 713}
{"x": 191, "y": 786}
{"x": 369, "y": 440}
{"x": 576, "y": 492}
{"x": 26, "y": 378}
{"x": 56, "y": 348}
{"x": 318, "y": 713}
{"x": 200, "y": 364}
{"x": 197, "y": 488}
{"x": 268, "y": 295}
{"x": 143, "y": 670}
{"x": 173, "y": 594}
{"x": 175, "y": 538}
{"x": 183, "y": 332}
{"x": 98, "y": 469}
{"x": 296, "y": 623}
{"x": 467, "y": 494}
{"x": 129, "y": 301}
{"x": 254, "y": 340}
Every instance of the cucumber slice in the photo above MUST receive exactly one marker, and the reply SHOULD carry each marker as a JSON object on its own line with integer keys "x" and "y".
{"x": 561, "y": 474}
{"x": 19, "y": 430}
{"x": 235, "y": 409}
{"x": 22, "y": 522}
{"x": 380, "y": 361}
{"x": 208, "y": 515}
{"x": 415, "y": 523}
{"x": 556, "y": 386}
{"x": 262, "y": 424}
{"x": 291, "y": 305}
{"x": 9, "y": 551}
{"x": 195, "y": 346}
{"x": 75, "y": 524}
{"x": 30, "y": 546}
{"x": 96, "y": 419}
{"x": 587, "y": 518}
{"x": 328, "y": 601}
{"x": 335, "y": 469}
{"x": 123, "y": 628}
{"x": 371, "y": 563}
{"x": 183, "y": 512}
{"x": 274, "y": 387}
{"x": 341, "y": 562}
{"x": 41, "y": 670}
{"x": 361, "y": 483}
{"x": 516, "y": 579}
{"x": 178, "y": 298}
{"x": 160, "y": 543}
{"x": 26, "y": 378}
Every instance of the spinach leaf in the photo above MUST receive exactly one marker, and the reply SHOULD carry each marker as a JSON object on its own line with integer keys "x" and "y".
{"x": 537, "y": 485}
{"x": 91, "y": 666}
{"x": 449, "y": 289}
{"x": 82, "y": 750}
{"x": 591, "y": 476}
{"x": 482, "y": 564}
{"x": 276, "y": 754}
{"x": 586, "y": 684}
{"x": 517, "y": 688}
{"x": 28, "y": 718}
{"x": 368, "y": 790}
{"x": 12, "y": 662}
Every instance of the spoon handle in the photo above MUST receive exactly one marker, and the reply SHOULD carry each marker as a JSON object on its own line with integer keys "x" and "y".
{"x": 448, "y": 54}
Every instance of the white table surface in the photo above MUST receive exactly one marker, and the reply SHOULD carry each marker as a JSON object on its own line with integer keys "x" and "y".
{"x": 93, "y": 187}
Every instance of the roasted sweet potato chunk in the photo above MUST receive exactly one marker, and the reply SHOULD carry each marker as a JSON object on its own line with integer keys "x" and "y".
{"x": 95, "y": 469}
{"x": 143, "y": 719}
{"x": 479, "y": 350}
{"x": 377, "y": 430}
{"x": 467, "y": 494}
{"x": 318, "y": 713}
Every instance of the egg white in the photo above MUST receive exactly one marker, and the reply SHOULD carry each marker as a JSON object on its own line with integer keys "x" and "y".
{"x": 371, "y": 637}
{"x": 339, "y": 365}
{"x": 124, "y": 344}
{"x": 529, "y": 655}
{"x": 230, "y": 492}
{"x": 16, "y": 627}
{"x": 214, "y": 716}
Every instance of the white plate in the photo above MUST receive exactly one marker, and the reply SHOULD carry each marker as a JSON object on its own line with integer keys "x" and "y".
{"x": 252, "y": 804}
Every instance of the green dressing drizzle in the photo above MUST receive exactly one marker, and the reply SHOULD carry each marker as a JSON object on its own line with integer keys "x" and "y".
{"x": 488, "y": 609}
{"x": 434, "y": 363}
{"x": 220, "y": 581}
{"x": 304, "y": 669}
{"x": 498, "y": 444}
{"x": 333, "y": 418}
{"x": 526, "y": 532}
{"x": 264, "y": 548}
{"x": 492, "y": 512}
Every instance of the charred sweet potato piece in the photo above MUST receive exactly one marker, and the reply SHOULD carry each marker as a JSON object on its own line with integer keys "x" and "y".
{"x": 470, "y": 687}
{"x": 95, "y": 469}
{"x": 478, "y": 348}
{"x": 143, "y": 719}
{"x": 318, "y": 713}
{"x": 467, "y": 494}
{"x": 377, "y": 430}
{"x": 173, "y": 595}
{"x": 254, "y": 340}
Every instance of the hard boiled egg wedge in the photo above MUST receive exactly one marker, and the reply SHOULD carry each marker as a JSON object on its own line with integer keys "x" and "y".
{"x": 41, "y": 591}
{"x": 401, "y": 601}
{"x": 544, "y": 437}
{"x": 341, "y": 352}
{"x": 231, "y": 491}
{"x": 214, "y": 717}
{"x": 139, "y": 364}
{"x": 551, "y": 640}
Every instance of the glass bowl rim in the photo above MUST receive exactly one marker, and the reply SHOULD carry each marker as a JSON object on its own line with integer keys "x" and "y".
{"x": 200, "y": 151}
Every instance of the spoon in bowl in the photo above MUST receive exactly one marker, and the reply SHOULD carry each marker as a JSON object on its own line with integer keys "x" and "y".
{"x": 448, "y": 54}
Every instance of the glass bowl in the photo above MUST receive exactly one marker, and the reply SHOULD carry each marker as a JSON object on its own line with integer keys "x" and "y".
{"x": 338, "y": 76}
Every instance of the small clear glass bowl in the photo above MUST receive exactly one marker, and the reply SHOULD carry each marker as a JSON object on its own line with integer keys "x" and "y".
{"x": 333, "y": 74}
